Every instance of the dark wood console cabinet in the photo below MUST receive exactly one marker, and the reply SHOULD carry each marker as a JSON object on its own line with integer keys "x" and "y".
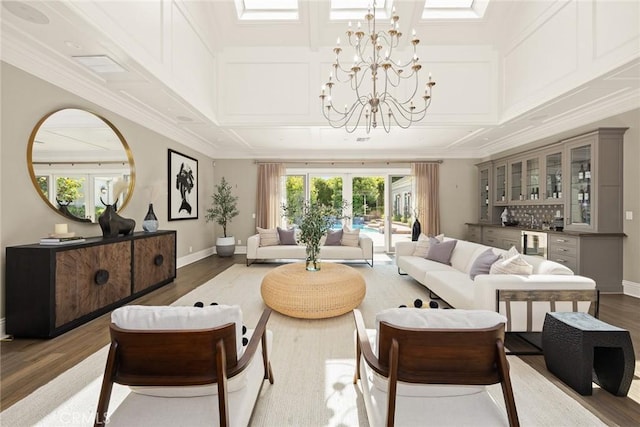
{"x": 52, "y": 289}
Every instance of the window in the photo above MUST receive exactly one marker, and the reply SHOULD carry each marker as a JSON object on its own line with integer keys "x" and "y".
{"x": 267, "y": 9}
{"x": 357, "y": 9}
{"x": 454, "y": 9}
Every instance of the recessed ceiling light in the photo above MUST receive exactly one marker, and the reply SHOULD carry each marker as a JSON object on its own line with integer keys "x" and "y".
{"x": 26, "y": 12}
{"x": 101, "y": 64}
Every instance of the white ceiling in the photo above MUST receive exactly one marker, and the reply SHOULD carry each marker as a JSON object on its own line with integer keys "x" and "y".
{"x": 529, "y": 71}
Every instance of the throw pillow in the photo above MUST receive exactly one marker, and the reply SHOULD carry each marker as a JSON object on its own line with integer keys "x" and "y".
{"x": 350, "y": 238}
{"x": 483, "y": 263}
{"x": 268, "y": 236}
{"x": 333, "y": 238}
{"x": 286, "y": 237}
{"x": 422, "y": 245}
{"x": 511, "y": 263}
{"x": 441, "y": 251}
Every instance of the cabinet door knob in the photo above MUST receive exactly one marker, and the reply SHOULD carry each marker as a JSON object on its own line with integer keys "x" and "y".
{"x": 101, "y": 277}
{"x": 158, "y": 260}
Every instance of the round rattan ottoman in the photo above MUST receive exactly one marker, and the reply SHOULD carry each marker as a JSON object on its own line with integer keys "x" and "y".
{"x": 292, "y": 290}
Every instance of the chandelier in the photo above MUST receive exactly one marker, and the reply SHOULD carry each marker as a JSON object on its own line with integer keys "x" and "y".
{"x": 374, "y": 70}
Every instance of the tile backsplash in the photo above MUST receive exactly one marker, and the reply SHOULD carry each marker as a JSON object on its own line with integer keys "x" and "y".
{"x": 541, "y": 214}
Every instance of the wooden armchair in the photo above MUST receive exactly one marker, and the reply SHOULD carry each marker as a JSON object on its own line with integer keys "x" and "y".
{"x": 431, "y": 357}
{"x": 171, "y": 358}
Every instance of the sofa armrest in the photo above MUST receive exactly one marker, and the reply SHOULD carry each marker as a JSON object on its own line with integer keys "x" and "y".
{"x": 366, "y": 244}
{"x": 405, "y": 248}
{"x": 253, "y": 242}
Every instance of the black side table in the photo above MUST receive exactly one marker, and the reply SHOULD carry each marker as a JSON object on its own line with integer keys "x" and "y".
{"x": 579, "y": 349}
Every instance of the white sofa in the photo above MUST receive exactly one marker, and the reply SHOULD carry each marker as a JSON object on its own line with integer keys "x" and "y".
{"x": 453, "y": 284}
{"x": 364, "y": 251}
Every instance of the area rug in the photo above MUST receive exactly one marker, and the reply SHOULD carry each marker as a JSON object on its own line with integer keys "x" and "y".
{"x": 313, "y": 364}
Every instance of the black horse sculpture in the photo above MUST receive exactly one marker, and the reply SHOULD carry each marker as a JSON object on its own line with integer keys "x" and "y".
{"x": 113, "y": 224}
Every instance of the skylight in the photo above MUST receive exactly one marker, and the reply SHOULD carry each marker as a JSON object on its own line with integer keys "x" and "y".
{"x": 454, "y": 9}
{"x": 356, "y": 9}
{"x": 267, "y": 9}
{"x": 448, "y": 4}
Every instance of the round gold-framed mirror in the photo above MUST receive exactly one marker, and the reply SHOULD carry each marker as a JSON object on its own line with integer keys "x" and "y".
{"x": 79, "y": 162}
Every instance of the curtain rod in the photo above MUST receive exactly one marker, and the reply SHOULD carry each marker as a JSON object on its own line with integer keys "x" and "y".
{"x": 350, "y": 162}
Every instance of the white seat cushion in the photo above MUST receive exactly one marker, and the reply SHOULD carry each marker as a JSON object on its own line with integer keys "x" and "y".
{"x": 439, "y": 319}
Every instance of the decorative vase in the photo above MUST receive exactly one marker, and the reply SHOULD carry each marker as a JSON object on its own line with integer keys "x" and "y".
{"x": 416, "y": 230}
{"x": 312, "y": 261}
{"x": 150, "y": 222}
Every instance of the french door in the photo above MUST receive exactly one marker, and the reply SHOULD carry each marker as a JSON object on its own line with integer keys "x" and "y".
{"x": 379, "y": 201}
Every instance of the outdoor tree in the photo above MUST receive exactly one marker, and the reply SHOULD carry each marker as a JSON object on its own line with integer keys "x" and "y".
{"x": 68, "y": 189}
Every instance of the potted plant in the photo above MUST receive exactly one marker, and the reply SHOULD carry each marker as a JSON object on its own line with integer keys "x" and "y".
{"x": 314, "y": 220}
{"x": 222, "y": 211}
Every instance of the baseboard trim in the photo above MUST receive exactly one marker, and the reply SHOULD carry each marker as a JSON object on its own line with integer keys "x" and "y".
{"x": 197, "y": 256}
{"x": 631, "y": 288}
{"x": 193, "y": 257}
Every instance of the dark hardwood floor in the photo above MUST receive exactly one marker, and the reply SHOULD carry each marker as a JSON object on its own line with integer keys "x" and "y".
{"x": 26, "y": 364}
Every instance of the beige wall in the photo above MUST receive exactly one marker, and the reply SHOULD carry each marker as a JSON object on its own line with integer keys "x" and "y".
{"x": 243, "y": 177}
{"x": 24, "y": 217}
{"x": 458, "y": 196}
{"x": 631, "y": 202}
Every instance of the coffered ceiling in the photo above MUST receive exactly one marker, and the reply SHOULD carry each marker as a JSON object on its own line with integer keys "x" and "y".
{"x": 525, "y": 72}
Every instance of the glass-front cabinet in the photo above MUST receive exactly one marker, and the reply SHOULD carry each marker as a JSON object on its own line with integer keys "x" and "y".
{"x": 485, "y": 198}
{"x": 593, "y": 197}
{"x": 500, "y": 184}
{"x": 515, "y": 182}
{"x": 553, "y": 177}
{"x": 579, "y": 203}
{"x": 532, "y": 188}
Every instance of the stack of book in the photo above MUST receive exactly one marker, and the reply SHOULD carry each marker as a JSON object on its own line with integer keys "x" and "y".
{"x": 61, "y": 240}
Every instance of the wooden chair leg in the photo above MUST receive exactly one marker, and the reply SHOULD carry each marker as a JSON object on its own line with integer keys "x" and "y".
{"x": 393, "y": 383}
{"x": 507, "y": 391}
{"x": 356, "y": 375}
{"x": 221, "y": 367}
{"x": 268, "y": 373}
{"x": 107, "y": 386}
